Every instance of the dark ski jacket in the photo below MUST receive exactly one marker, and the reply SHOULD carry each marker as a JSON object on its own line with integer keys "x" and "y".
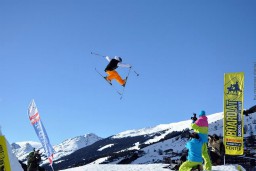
{"x": 114, "y": 64}
{"x": 34, "y": 159}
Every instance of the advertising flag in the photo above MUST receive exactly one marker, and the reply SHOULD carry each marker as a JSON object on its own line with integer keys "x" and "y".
{"x": 4, "y": 158}
{"x": 233, "y": 113}
{"x": 40, "y": 130}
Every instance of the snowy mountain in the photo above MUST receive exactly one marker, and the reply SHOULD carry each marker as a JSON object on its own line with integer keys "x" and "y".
{"x": 179, "y": 126}
{"x": 71, "y": 145}
{"x": 22, "y": 149}
{"x": 142, "y": 146}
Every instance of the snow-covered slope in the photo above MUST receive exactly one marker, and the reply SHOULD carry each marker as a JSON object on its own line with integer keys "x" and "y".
{"x": 70, "y": 145}
{"x": 148, "y": 167}
{"x": 151, "y": 144}
{"x": 177, "y": 144}
{"x": 157, "y": 145}
{"x": 22, "y": 149}
{"x": 179, "y": 126}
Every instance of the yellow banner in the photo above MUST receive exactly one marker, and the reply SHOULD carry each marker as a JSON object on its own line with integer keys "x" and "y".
{"x": 4, "y": 159}
{"x": 233, "y": 113}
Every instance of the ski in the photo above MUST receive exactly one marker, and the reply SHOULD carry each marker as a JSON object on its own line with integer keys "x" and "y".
{"x": 108, "y": 82}
{"x": 125, "y": 83}
{"x": 124, "y": 88}
{"x": 93, "y": 53}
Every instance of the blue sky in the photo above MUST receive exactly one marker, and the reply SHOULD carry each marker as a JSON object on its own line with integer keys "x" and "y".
{"x": 181, "y": 49}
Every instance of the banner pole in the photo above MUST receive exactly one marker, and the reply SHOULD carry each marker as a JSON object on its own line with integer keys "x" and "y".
{"x": 224, "y": 159}
{"x": 52, "y": 167}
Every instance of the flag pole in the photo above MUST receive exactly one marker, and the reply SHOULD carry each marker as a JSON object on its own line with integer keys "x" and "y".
{"x": 52, "y": 168}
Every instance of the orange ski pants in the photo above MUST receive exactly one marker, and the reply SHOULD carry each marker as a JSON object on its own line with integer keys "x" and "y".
{"x": 114, "y": 75}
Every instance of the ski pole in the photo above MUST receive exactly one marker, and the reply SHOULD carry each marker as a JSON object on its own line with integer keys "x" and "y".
{"x": 135, "y": 72}
{"x": 93, "y": 53}
{"x": 126, "y": 80}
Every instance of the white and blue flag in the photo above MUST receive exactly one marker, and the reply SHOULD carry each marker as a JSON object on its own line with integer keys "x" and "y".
{"x": 40, "y": 130}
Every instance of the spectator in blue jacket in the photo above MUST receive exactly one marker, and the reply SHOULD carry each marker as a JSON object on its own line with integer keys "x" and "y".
{"x": 194, "y": 146}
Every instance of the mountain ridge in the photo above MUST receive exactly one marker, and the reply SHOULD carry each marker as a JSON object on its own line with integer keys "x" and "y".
{"x": 141, "y": 146}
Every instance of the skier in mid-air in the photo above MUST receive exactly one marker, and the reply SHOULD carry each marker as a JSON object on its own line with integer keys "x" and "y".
{"x": 113, "y": 64}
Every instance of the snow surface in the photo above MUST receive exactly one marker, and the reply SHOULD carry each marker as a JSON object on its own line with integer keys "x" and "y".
{"x": 106, "y": 146}
{"x": 151, "y": 152}
{"x": 144, "y": 167}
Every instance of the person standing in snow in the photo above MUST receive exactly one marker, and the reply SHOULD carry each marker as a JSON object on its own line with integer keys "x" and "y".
{"x": 194, "y": 158}
{"x": 217, "y": 149}
{"x": 200, "y": 126}
{"x": 110, "y": 69}
{"x": 34, "y": 159}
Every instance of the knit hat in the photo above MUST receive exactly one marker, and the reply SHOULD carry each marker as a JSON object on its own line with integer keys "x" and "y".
{"x": 202, "y": 113}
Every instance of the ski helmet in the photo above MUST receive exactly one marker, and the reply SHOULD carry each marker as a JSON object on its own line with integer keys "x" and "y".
{"x": 118, "y": 58}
